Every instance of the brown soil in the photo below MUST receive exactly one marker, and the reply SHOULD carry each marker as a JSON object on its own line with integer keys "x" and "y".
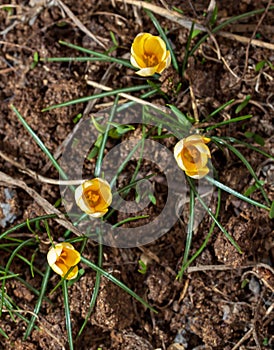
{"x": 225, "y": 300}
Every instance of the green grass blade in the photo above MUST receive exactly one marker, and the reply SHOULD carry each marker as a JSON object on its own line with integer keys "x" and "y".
{"x": 88, "y": 59}
{"x": 190, "y": 225}
{"x": 203, "y": 246}
{"x": 225, "y": 23}
{"x": 216, "y": 111}
{"x": 98, "y": 54}
{"x": 227, "y": 235}
{"x": 3, "y": 333}
{"x": 12, "y": 256}
{"x": 101, "y": 95}
{"x": 9, "y": 276}
{"x": 26, "y": 261}
{"x": 96, "y": 289}
{"x": 246, "y": 163}
{"x": 164, "y": 37}
{"x": 187, "y": 51}
{"x": 40, "y": 143}
{"x": 235, "y": 193}
{"x": 271, "y": 213}
{"x": 130, "y": 219}
{"x": 39, "y": 302}
{"x": 25, "y": 224}
{"x": 105, "y": 137}
{"x": 21, "y": 280}
{"x": 233, "y": 120}
{"x": 248, "y": 145}
{"x": 117, "y": 282}
{"x": 67, "y": 313}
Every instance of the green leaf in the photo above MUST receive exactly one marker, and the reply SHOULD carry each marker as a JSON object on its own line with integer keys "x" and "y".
{"x": 253, "y": 188}
{"x": 214, "y": 16}
{"x": 143, "y": 267}
{"x": 257, "y": 138}
{"x": 77, "y": 118}
{"x": 243, "y": 104}
{"x": 152, "y": 198}
{"x": 98, "y": 127}
{"x": 195, "y": 33}
{"x": 260, "y": 65}
{"x": 271, "y": 213}
{"x": 183, "y": 120}
{"x": 93, "y": 153}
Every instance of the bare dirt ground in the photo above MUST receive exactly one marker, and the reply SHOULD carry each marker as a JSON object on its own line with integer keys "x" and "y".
{"x": 225, "y": 300}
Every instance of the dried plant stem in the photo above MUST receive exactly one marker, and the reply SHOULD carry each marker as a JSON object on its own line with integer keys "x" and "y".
{"x": 187, "y": 23}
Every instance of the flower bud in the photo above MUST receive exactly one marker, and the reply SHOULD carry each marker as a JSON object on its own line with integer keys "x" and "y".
{"x": 62, "y": 257}
{"x": 191, "y": 154}
{"x": 94, "y": 197}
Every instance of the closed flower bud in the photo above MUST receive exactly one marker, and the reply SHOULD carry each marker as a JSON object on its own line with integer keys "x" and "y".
{"x": 94, "y": 197}
{"x": 62, "y": 257}
{"x": 191, "y": 154}
{"x": 149, "y": 54}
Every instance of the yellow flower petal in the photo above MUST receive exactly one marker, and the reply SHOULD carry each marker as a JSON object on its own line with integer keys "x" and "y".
{"x": 156, "y": 46}
{"x": 199, "y": 174}
{"x": 146, "y": 72}
{"x": 137, "y": 47}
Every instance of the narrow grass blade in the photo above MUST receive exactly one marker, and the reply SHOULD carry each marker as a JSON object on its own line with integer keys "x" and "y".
{"x": 246, "y": 163}
{"x": 225, "y": 23}
{"x": 130, "y": 219}
{"x": 9, "y": 276}
{"x": 190, "y": 225}
{"x": 117, "y": 282}
{"x": 26, "y": 223}
{"x": 164, "y": 37}
{"x": 98, "y": 54}
{"x": 3, "y": 334}
{"x": 248, "y": 145}
{"x": 104, "y": 140}
{"x": 233, "y": 120}
{"x": 187, "y": 51}
{"x": 88, "y": 59}
{"x": 227, "y": 235}
{"x": 243, "y": 104}
{"x": 12, "y": 256}
{"x": 95, "y": 290}
{"x": 216, "y": 111}
{"x": 271, "y": 213}
{"x": 38, "y": 303}
{"x": 101, "y": 95}
{"x": 67, "y": 313}
{"x": 235, "y": 193}
{"x": 26, "y": 261}
{"x": 40, "y": 143}
{"x": 203, "y": 246}
{"x": 28, "y": 286}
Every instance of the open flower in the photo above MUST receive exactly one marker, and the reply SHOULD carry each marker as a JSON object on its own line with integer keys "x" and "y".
{"x": 94, "y": 197}
{"x": 192, "y": 155}
{"x": 62, "y": 257}
{"x": 149, "y": 53}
